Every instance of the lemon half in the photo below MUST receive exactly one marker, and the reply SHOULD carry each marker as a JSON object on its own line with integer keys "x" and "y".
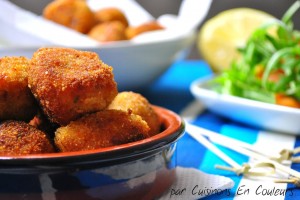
{"x": 220, "y": 36}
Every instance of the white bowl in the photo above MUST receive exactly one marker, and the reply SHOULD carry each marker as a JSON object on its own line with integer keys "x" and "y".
{"x": 136, "y": 62}
{"x": 137, "y": 65}
{"x": 255, "y": 113}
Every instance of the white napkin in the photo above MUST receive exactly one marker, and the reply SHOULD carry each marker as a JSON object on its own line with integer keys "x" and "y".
{"x": 194, "y": 184}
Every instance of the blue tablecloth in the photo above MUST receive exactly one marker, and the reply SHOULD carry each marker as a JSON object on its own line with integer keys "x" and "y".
{"x": 171, "y": 90}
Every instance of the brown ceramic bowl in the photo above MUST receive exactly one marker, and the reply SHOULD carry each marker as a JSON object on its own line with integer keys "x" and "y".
{"x": 137, "y": 170}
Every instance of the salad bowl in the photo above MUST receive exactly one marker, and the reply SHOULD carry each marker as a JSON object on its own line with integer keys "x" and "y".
{"x": 261, "y": 115}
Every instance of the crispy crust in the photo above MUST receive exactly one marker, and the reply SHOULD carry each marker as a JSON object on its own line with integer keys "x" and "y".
{"x": 138, "y": 105}
{"x": 41, "y": 122}
{"x": 69, "y": 83}
{"x": 19, "y": 138}
{"x": 111, "y": 14}
{"x": 74, "y": 14}
{"x": 101, "y": 129}
{"x": 133, "y": 31}
{"x": 16, "y": 99}
{"x": 108, "y": 31}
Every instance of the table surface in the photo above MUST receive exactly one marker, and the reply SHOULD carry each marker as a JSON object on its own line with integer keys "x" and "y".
{"x": 171, "y": 90}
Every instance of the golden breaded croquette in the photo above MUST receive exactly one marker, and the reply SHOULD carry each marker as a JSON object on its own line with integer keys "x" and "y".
{"x": 16, "y": 99}
{"x": 138, "y": 105}
{"x": 41, "y": 122}
{"x": 19, "y": 138}
{"x": 69, "y": 83}
{"x": 108, "y": 31}
{"x": 74, "y": 14}
{"x": 133, "y": 31}
{"x": 111, "y": 14}
{"x": 102, "y": 129}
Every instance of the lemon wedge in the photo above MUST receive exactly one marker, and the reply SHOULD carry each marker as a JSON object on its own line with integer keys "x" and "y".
{"x": 220, "y": 36}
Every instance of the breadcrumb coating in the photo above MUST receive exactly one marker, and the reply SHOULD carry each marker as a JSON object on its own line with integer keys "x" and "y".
{"x": 110, "y": 14}
{"x": 102, "y": 129}
{"x": 139, "y": 105}
{"x": 74, "y": 14}
{"x": 133, "y": 31}
{"x": 19, "y": 138}
{"x": 108, "y": 31}
{"x": 69, "y": 83}
{"x": 16, "y": 99}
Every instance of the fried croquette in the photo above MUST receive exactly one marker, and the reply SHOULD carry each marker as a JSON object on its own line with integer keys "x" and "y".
{"x": 138, "y": 105}
{"x": 133, "y": 31}
{"x": 108, "y": 31}
{"x": 111, "y": 14}
{"x": 74, "y": 14}
{"x": 102, "y": 129}
{"x": 19, "y": 138}
{"x": 41, "y": 122}
{"x": 16, "y": 99}
{"x": 69, "y": 83}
